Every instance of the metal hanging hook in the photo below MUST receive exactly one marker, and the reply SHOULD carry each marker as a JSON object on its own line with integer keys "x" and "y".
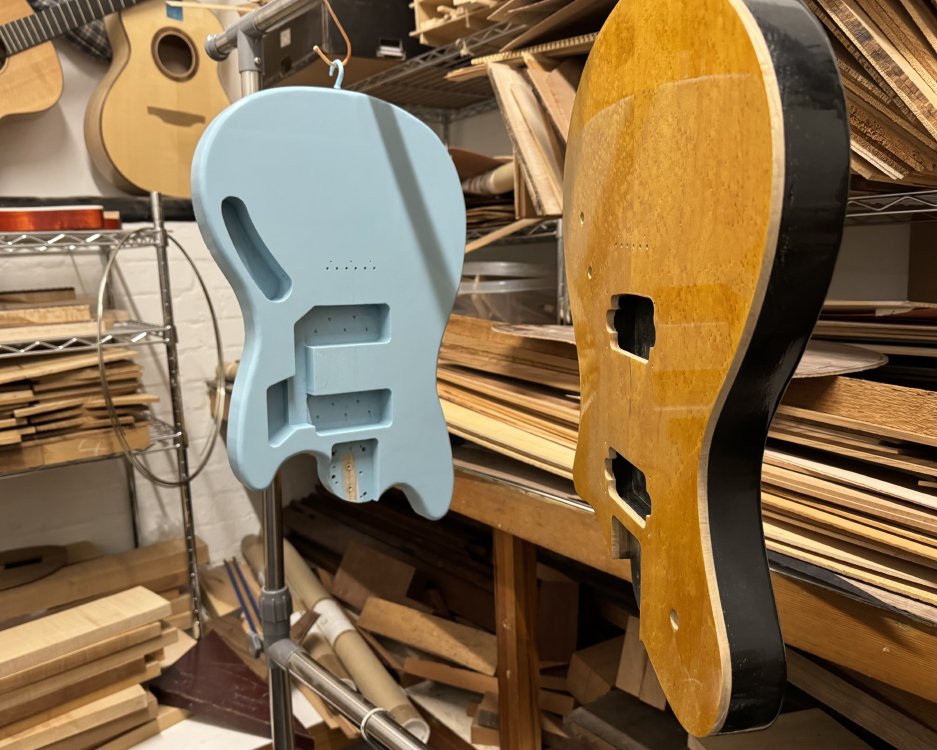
{"x": 340, "y": 67}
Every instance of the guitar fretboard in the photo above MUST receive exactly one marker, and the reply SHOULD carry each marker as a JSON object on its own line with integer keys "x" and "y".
{"x": 33, "y": 30}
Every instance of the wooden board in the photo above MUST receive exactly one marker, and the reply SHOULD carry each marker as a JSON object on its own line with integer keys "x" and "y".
{"x": 32, "y": 643}
{"x": 158, "y": 565}
{"x": 461, "y": 644}
{"x": 13, "y": 315}
{"x": 537, "y": 148}
{"x": 858, "y": 706}
{"x": 80, "y": 445}
{"x": 82, "y": 719}
{"x": 46, "y": 365}
{"x": 79, "y": 657}
{"x": 94, "y": 738}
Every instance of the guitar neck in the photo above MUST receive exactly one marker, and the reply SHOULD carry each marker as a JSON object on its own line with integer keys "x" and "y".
{"x": 30, "y": 31}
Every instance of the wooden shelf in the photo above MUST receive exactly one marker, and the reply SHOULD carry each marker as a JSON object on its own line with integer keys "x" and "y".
{"x": 879, "y": 643}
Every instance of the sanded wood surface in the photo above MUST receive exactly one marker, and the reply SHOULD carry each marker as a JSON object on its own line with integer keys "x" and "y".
{"x": 159, "y": 565}
{"x": 32, "y": 643}
{"x": 141, "y": 125}
{"x": 515, "y": 563}
{"x": 80, "y": 656}
{"x": 84, "y": 718}
{"x": 461, "y": 644}
{"x": 32, "y": 80}
{"x": 538, "y": 150}
{"x": 631, "y": 166}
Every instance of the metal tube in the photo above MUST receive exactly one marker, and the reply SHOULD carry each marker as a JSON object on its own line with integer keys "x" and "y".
{"x": 178, "y": 413}
{"x": 275, "y": 613}
{"x": 378, "y": 724}
{"x": 274, "y": 575}
{"x": 250, "y": 82}
{"x": 255, "y": 23}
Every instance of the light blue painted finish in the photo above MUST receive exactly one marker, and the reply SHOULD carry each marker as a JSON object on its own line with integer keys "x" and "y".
{"x": 338, "y": 219}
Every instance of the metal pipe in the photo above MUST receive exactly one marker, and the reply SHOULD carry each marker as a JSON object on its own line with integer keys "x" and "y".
{"x": 376, "y": 724}
{"x": 275, "y": 607}
{"x": 254, "y": 24}
{"x": 178, "y": 413}
{"x": 274, "y": 575}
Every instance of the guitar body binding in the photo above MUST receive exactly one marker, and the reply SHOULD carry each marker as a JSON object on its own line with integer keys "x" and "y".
{"x": 707, "y": 173}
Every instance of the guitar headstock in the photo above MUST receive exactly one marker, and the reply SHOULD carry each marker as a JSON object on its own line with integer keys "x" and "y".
{"x": 706, "y": 176}
{"x": 339, "y": 221}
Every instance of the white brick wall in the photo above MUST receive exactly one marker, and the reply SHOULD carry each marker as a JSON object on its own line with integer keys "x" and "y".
{"x": 44, "y": 155}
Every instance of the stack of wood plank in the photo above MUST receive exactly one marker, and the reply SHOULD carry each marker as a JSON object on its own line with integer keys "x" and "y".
{"x": 87, "y": 575}
{"x": 423, "y": 593}
{"x": 897, "y": 329}
{"x": 439, "y": 23}
{"x": 886, "y": 51}
{"x": 52, "y": 407}
{"x": 887, "y": 55}
{"x": 849, "y": 479}
{"x": 73, "y": 678}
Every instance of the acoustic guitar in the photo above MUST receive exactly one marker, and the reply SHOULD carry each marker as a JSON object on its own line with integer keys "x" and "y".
{"x": 706, "y": 181}
{"x": 30, "y": 73}
{"x": 148, "y": 113}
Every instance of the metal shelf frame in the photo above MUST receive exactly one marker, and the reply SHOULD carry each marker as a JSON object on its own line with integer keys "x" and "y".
{"x": 69, "y": 243}
{"x": 163, "y": 436}
{"x": 418, "y": 84}
{"x": 127, "y": 333}
{"x": 917, "y": 205}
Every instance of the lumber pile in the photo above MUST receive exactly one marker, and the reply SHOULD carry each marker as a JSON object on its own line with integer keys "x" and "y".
{"x": 421, "y": 594}
{"x": 88, "y": 575}
{"x": 52, "y": 407}
{"x": 74, "y": 678}
{"x": 886, "y": 51}
{"x": 903, "y": 330}
{"x": 849, "y": 478}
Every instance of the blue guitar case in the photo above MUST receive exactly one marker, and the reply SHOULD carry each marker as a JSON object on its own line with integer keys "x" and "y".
{"x": 338, "y": 220}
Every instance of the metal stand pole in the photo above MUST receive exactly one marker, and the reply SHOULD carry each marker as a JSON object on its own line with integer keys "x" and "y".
{"x": 275, "y": 608}
{"x": 178, "y": 414}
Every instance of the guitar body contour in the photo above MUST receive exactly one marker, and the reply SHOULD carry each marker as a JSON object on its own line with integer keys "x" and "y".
{"x": 161, "y": 91}
{"x": 338, "y": 220}
{"x": 707, "y": 173}
{"x": 30, "y": 81}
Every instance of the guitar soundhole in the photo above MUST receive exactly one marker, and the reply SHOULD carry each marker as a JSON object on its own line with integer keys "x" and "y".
{"x": 631, "y": 320}
{"x": 629, "y": 483}
{"x": 175, "y": 54}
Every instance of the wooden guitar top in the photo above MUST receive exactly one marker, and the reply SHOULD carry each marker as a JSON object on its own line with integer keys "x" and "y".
{"x": 706, "y": 179}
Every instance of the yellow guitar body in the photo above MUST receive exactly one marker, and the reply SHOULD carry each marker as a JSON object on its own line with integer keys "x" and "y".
{"x": 32, "y": 80}
{"x": 147, "y": 115}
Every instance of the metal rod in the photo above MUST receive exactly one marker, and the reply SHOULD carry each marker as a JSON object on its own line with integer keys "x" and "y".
{"x": 178, "y": 413}
{"x": 376, "y": 725}
{"x": 274, "y": 574}
{"x": 255, "y": 23}
{"x": 275, "y": 613}
{"x": 131, "y": 478}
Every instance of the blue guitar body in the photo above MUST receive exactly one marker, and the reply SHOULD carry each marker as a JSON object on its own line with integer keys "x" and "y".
{"x": 339, "y": 221}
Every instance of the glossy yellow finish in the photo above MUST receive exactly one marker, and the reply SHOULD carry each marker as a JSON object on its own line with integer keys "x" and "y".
{"x": 32, "y": 80}
{"x": 674, "y": 174}
{"x": 142, "y": 126}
